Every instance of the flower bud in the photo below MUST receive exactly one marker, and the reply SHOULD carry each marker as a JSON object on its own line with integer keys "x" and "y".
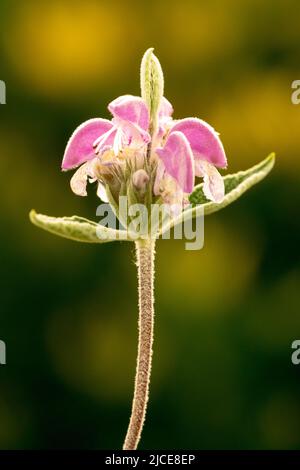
{"x": 152, "y": 85}
{"x": 140, "y": 180}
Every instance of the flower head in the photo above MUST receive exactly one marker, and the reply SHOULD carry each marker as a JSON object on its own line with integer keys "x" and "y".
{"x": 174, "y": 152}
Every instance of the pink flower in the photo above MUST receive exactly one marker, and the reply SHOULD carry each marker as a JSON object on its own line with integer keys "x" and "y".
{"x": 191, "y": 148}
{"x": 100, "y": 141}
{"x": 180, "y": 150}
{"x": 129, "y": 126}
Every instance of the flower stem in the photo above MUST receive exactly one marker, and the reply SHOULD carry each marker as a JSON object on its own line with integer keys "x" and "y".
{"x": 145, "y": 253}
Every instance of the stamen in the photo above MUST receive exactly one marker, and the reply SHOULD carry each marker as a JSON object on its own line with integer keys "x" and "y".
{"x": 98, "y": 143}
{"x": 118, "y": 141}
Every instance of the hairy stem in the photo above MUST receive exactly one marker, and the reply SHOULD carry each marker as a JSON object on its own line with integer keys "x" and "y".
{"x": 145, "y": 252}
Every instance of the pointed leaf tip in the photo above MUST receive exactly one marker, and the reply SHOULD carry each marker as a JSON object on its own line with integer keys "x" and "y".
{"x": 235, "y": 185}
{"x": 77, "y": 228}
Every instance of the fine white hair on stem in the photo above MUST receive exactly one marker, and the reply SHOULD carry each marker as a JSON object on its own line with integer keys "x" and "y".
{"x": 145, "y": 254}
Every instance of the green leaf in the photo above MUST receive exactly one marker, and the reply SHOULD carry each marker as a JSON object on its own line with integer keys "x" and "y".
{"x": 235, "y": 185}
{"x": 77, "y": 228}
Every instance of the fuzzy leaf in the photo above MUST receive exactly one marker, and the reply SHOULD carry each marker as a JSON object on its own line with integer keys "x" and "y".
{"x": 77, "y": 228}
{"x": 235, "y": 186}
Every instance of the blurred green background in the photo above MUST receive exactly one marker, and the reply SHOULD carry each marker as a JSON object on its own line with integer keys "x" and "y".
{"x": 226, "y": 315}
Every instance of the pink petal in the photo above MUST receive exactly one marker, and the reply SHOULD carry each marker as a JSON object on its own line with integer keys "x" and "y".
{"x": 178, "y": 160}
{"x": 166, "y": 109}
{"x": 79, "y": 181}
{"x": 80, "y": 146}
{"x": 213, "y": 183}
{"x": 131, "y": 108}
{"x": 101, "y": 192}
{"x": 204, "y": 141}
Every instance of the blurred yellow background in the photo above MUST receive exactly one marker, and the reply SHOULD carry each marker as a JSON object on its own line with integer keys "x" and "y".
{"x": 225, "y": 316}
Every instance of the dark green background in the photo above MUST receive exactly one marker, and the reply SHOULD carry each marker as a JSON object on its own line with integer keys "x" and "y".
{"x": 226, "y": 315}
